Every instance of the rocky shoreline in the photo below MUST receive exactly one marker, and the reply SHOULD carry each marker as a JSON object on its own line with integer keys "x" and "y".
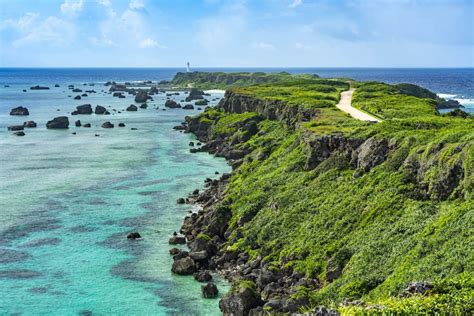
{"x": 257, "y": 285}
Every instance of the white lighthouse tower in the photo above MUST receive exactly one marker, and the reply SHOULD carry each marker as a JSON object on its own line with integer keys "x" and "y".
{"x": 187, "y": 68}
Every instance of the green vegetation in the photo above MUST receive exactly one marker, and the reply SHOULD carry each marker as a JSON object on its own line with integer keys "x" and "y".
{"x": 363, "y": 232}
{"x": 222, "y": 80}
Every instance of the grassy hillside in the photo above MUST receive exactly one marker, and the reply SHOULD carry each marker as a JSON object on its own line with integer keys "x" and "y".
{"x": 364, "y": 209}
{"x": 223, "y": 80}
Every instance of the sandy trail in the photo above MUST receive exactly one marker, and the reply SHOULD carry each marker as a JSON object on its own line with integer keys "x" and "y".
{"x": 345, "y": 105}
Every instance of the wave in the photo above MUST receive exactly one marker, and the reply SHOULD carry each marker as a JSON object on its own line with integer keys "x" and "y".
{"x": 465, "y": 101}
{"x": 446, "y": 95}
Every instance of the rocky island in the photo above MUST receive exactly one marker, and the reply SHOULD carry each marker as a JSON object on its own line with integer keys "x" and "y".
{"x": 327, "y": 214}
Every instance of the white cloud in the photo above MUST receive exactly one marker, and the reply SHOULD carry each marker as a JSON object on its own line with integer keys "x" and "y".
{"x": 22, "y": 24}
{"x": 54, "y": 31}
{"x": 264, "y": 45}
{"x": 136, "y": 4}
{"x": 148, "y": 43}
{"x": 295, "y": 3}
{"x": 72, "y": 8}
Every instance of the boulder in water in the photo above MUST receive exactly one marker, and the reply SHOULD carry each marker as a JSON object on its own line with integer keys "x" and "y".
{"x": 134, "y": 235}
{"x": 83, "y": 109}
{"x": 60, "y": 122}
{"x": 107, "y": 125}
{"x": 77, "y": 97}
{"x": 16, "y": 128}
{"x": 20, "y": 133}
{"x": 183, "y": 266}
{"x": 141, "y": 96}
{"x": 209, "y": 290}
{"x": 87, "y": 125}
{"x": 100, "y": 110}
{"x": 78, "y": 123}
{"x": 39, "y": 88}
{"x": 132, "y": 108}
{"x": 30, "y": 124}
{"x": 172, "y": 104}
{"x": 19, "y": 111}
{"x": 121, "y": 124}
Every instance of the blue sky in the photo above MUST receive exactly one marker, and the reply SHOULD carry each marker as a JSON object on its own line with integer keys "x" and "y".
{"x": 236, "y": 33}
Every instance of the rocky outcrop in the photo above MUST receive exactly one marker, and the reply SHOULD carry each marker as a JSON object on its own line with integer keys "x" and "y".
{"x": 107, "y": 125}
{"x": 195, "y": 94}
{"x": 82, "y": 109}
{"x": 183, "y": 266}
{"x": 142, "y": 96}
{"x": 16, "y": 127}
{"x": 20, "y": 110}
{"x": 60, "y": 122}
{"x": 100, "y": 110}
{"x": 240, "y": 300}
{"x": 30, "y": 124}
{"x": 132, "y": 108}
{"x": 269, "y": 109}
{"x": 39, "y": 88}
{"x": 209, "y": 290}
{"x": 172, "y": 104}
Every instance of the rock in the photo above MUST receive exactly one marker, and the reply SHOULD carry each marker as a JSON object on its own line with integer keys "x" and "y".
{"x": 134, "y": 129}
{"x": 87, "y": 125}
{"x": 77, "y": 97}
{"x": 201, "y": 102}
{"x": 132, "y": 108}
{"x": 77, "y": 123}
{"x": 209, "y": 290}
{"x": 177, "y": 240}
{"x": 100, "y": 110}
{"x": 184, "y": 266}
{"x": 20, "y": 133}
{"x": 39, "y": 88}
{"x": 174, "y": 251}
{"x": 134, "y": 235}
{"x": 16, "y": 127}
{"x": 172, "y": 104}
{"x": 417, "y": 288}
{"x": 107, "y": 125}
{"x": 117, "y": 94}
{"x": 240, "y": 299}
{"x": 30, "y": 124}
{"x": 181, "y": 201}
{"x": 188, "y": 107}
{"x": 195, "y": 94}
{"x": 143, "y": 106}
{"x": 83, "y": 109}
{"x": 56, "y": 86}
{"x": 60, "y": 122}
{"x": 121, "y": 124}
{"x": 19, "y": 111}
{"x": 202, "y": 276}
{"x": 73, "y": 133}
{"x": 142, "y": 96}
{"x": 198, "y": 255}
{"x": 191, "y": 143}
{"x": 76, "y": 90}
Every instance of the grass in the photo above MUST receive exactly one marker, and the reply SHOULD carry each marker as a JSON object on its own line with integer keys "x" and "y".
{"x": 399, "y": 222}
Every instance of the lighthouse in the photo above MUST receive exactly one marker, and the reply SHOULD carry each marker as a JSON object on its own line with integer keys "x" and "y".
{"x": 187, "y": 67}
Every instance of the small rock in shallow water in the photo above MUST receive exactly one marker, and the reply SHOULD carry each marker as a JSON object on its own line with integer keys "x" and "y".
{"x": 107, "y": 125}
{"x": 121, "y": 125}
{"x": 209, "y": 290}
{"x": 184, "y": 266}
{"x": 177, "y": 240}
{"x": 202, "y": 276}
{"x": 29, "y": 124}
{"x": 134, "y": 235}
{"x": 181, "y": 201}
{"x": 19, "y": 111}
{"x": 20, "y": 133}
{"x": 16, "y": 127}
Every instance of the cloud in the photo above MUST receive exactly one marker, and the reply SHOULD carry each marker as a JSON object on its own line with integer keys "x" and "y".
{"x": 264, "y": 45}
{"x": 22, "y": 24}
{"x": 136, "y": 4}
{"x": 72, "y": 8}
{"x": 295, "y": 3}
{"x": 53, "y": 31}
{"x": 148, "y": 43}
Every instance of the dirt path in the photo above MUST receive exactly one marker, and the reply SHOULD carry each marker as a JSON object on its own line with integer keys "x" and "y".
{"x": 345, "y": 105}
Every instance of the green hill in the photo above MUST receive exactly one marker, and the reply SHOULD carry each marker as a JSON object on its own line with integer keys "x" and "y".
{"x": 322, "y": 209}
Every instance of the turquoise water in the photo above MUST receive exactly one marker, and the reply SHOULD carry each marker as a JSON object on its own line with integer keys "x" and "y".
{"x": 67, "y": 202}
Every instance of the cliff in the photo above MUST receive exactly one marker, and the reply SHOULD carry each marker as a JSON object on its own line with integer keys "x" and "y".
{"x": 325, "y": 210}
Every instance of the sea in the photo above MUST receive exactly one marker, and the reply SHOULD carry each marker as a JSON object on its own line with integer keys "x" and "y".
{"x": 68, "y": 201}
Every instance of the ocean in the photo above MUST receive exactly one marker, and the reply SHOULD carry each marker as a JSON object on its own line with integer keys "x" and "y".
{"x": 68, "y": 201}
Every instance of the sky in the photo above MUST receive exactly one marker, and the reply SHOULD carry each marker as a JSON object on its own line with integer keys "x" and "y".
{"x": 237, "y": 33}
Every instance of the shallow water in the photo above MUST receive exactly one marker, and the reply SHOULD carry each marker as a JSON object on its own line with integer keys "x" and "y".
{"x": 67, "y": 202}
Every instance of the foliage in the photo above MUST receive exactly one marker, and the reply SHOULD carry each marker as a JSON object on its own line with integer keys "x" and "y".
{"x": 383, "y": 228}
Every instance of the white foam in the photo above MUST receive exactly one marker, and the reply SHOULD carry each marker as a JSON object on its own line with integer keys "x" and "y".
{"x": 465, "y": 101}
{"x": 446, "y": 95}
